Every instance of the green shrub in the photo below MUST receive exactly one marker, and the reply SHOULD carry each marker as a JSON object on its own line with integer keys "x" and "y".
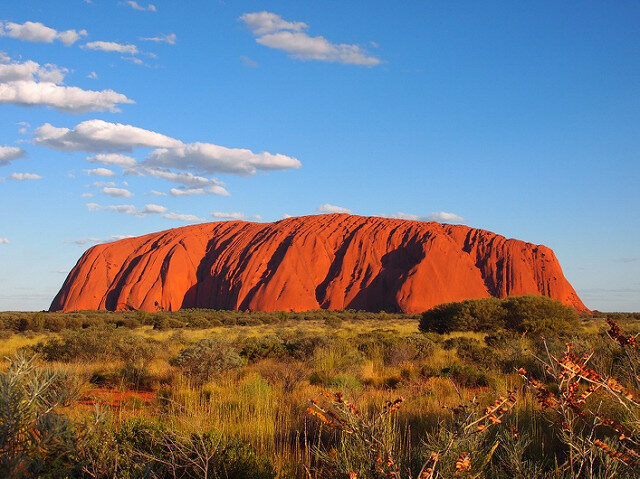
{"x": 466, "y": 375}
{"x": 536, "y": 314}
{"x": 264, "y": 347}
{"x": 207, "y": 357}
{"x": 98, "y": 344}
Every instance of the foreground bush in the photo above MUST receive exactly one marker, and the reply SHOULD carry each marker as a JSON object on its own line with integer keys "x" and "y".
{"x": 208, "y": 357}
{"x": 535, "y": 314}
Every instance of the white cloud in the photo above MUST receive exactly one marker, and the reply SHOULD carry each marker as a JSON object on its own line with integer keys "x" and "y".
{"x": 84, "y": 241}
{"x": 169, "y": 38}
{"x": 407, "y": 216}
{"x": 117, "y": 192}
{"x": 286, "y": 216}
{"x": 214, "y": 158}
{"x": 100, "y": 135}
{"x": 169, "y": 154}
{"x": 183, "y": 178}
{"x": 24, "y": 127}
{"x": 100, "y": 184}
{"x": 261, "y": 23}
{"x": 148, "y": 209}
{"x": 136, "y": 6}
{"x": 24, "y": 176}
{"x": 129, "y": 49}
{"x": 87, "y": 195}
{"x": 272, "y": 31}
{"x": 329, "y": 208}
{"x": 182, "y": 217}
{"x": 112, "y": 159}
{"x": 157, "y": 193}
{"x": 249, "y": 62}
{"x": 126, "y": 209}
{"x": 30, "y": 71}
{"x": 230, "y": 215}
{"x": 444, "y": 217}
{"x": 92, "y": 76}
{"x": 153, "y": 209}
{"x": 9, "y": 153}
{"x": 61, "y": 271}
{"x": 211, "y": 190}
{"x": 37, "y": 32}
{"x": 31, "y": 84}
{"x": 65, "y": 98}
{"x": 93, "y": 240}
{"x": 100, "y": 172}
{"x": 4, "y": 240}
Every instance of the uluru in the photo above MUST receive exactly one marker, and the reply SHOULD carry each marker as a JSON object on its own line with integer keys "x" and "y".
{"x": 335, "y": 261}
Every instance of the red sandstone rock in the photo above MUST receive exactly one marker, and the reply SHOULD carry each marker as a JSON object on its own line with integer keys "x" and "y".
{"x": 333, "y": 261}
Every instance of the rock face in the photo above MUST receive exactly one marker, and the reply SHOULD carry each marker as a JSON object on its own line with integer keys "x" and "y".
{"x": 333, "y": 261}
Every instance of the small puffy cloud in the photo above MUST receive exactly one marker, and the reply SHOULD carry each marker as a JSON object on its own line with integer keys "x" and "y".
{"x": 4, "y": 240}
{"x": 87, "y": 195}
{"x": 126, "y": 209}
{"x": 157, "y": 193}
{"x": 169, "y": 38}
{"x": 100, "y": 172}
{"x": 128, "y": 49}
{"x": 93, "y": 206}
{"x": 136, "y": 6}
{"x": 117, "y": 192}
{"x": 134, "y": 60}
{"x": 10, "y": 153}
{"x": 112, "y": 159}
{"x": 214, "y": 158}
{"x": 24, "y": 176}
{"x": 92, "y": 76}
{"x": 37, "y": 32}
{"x": 153, "y": 209}
{"x": 444, "y": 217}
{"x": 230, "y": 215}
{"x": 24, "y": 127}
{"x": 100, "y": 184}
{"x": 61, "y": 271}
{"x": 286, "y": 216}
{"x": 261, "y": 23}
{"x": 272, "y": 31}
{"x": 100, "y": 135}
{"x": 182, "y": 217}
{"x": 329, "y": 208}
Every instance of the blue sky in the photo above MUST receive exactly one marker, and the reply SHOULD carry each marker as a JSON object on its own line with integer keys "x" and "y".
{"x": 517, "y": 117}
